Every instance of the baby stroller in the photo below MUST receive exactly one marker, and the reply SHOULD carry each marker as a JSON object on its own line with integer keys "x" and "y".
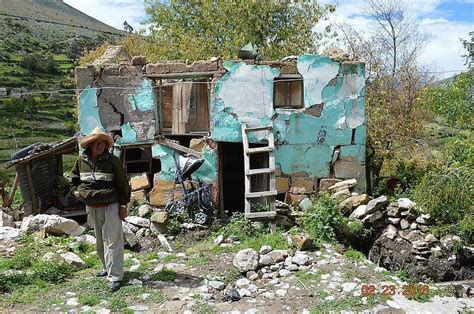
{"x": 196, "y": 200}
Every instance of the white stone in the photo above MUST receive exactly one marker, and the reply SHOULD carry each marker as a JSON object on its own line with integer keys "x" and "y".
{"x": 218, "y": 285}
{"x": 334, "y": 285}
{"x": 330, "y": 298}
{"x": 265, "y": 259}
{"x": 136, "y": 282}
{"x": 348, "y": 286}
{"x": 73, "y": 259}
{"x": 405, "y": 203}
{"x": 278, "y": 255}
{"x": 9, "y": 233}
{"x": 242, "y": 282}
{"x": 86, "y": 238}
{"x": 284, "y": 272}
{"x": 219, "y": 239}
{"x": 145, "y": 296}
{"x": 53, "y": 224}
{"x": 292, "y": 267}
{"x": 359, "y": 212}
{"x": 393, "y": 304}
{"x": 281, "y": 293}
{"x": 244, "y": 292}
{"x": 134, "y": 267}
{"x": 391, "y": 232}
{"x": 138, "y": 221}
{"x": 301, "y": 259}
{"x": 269, "y": 295}
{"x": 265, "y": 249}
{"x": 72, "y": 302}
{"x": 246, "y": 260}
{"x": 144, "y": 210}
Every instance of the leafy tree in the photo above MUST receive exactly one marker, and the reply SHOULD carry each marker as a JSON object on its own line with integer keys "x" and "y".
{"x": 197, "y": 29}
{"x": 127, "y": 27}
{"x": 395, "y": 114}
{"x": 454, "y": 102}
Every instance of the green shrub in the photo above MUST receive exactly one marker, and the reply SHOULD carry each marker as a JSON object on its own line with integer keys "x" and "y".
{"x": 164, "y": 275}
{"x": 446, "y": 191}
{"x": 354, "y": 255}
{"x": 8, "y": 281}
{"x": 88, "y": 299}
{"x": 323, "y": 221}
{"x": 22, "y": 258}
{"x": 52, "y": 272}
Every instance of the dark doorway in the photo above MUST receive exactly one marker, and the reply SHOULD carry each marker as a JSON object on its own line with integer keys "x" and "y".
{"x": 233, "y": 184}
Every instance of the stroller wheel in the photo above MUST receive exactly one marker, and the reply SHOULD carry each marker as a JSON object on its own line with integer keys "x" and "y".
{"x": 201, "y": 218}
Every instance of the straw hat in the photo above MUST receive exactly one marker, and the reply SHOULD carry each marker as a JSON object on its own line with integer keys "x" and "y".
{"x": 97, "y": 134}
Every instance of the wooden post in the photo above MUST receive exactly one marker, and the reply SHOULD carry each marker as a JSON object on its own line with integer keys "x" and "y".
{"x": 10, "y": 198}
{"x": 34, "y": 203}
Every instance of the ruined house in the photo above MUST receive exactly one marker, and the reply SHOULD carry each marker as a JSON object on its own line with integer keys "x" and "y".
{"x": 311, "y": 109}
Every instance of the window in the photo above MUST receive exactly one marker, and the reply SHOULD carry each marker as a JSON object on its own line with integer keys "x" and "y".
{"x": 288, "y": 93}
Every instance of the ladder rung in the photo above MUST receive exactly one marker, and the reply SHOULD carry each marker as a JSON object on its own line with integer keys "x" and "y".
{"x": 271, "y": 214}
{"x": 260, "y": 194}
{"x": 257, "y": 150}
{"x": 259, "y": 171}
{"x": 259, "y": 128}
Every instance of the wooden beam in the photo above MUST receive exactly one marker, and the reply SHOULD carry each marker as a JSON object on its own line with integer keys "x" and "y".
{"x": 34, "y": 203}
{"x": 10, "y": 198}
{"x": 181, "y": 148}
{"x": 184, "y": 75}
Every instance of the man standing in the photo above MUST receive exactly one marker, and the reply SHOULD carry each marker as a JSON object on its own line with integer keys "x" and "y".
{"x": 99, "y": 179}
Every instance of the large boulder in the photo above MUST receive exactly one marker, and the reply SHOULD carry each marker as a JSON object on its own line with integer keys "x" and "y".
{"x": 6, "y": 220}
{"x": 246, "y": 260}
{"x": 52, "y": 224}
{"x": 9, "y": 233}
{"x": 73, "y": 259}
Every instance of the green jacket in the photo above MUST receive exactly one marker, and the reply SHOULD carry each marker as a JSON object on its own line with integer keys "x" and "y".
{"x": 104, "y": 182}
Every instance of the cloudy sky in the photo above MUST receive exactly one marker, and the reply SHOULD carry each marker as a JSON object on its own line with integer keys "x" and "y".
{"x": 445, "y": 21}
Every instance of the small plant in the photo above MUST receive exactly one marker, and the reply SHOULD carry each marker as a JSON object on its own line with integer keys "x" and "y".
{"x": 201, "y": 259}
{"x": 354, "y": 255}
{"x": 164, "y": 275}
{"x": 169, "y": 258}
{"x": 89, "y": 300}
{"x": 117, "y": 303}
{"x": 305, "y": 276}
{"x": 232, "y": 274}
{"x": 22, "y": 258}
{"x": 52, "y": 272}
{"x": 322, "y": 221}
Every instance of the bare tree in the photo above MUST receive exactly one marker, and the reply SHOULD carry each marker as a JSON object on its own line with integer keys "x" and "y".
{"x": 394, "y": 80}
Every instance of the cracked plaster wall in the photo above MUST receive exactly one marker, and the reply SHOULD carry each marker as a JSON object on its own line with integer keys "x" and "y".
{"x": 306, "y": 143}
{"x": 119, "y": 99}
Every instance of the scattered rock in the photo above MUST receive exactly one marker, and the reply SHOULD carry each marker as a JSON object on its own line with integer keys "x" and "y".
{"x": 231, "y": 295}
{"x": 52, "y": 224}
{"x": 377, "y": 204}
{"x": 246, "y": 260}
{"x": 391, "y": 232}
{"x": 360, "y": 212}
{"x": 393, "y": 220}
{"x": 301, "y": 242}
{"x": 160, "y": 217}
{"x": 349, "y": 286}
{"x": 73, "y": 259}
{"x": 343, "y": 185}
{"x": 284, "y": 273}
{"x": 138, "y": 221}
{"x": 265, "y": 260}
{"x": 218, "y": 285}
{"x": 219, "y": 239}
{"x": 404, "y": 224}
{"x": 6, "y": 220}
{"x": 424, "y": 219}
{"x": 393, "y": 210}
{"x": 265, "y": 249}
{"x": 341, "y": 195}
{"x": 72, "y": 302}
{"x": 301, "y": 259}
{"x": 413, "y": 226}
{"x": 405, "y": 203}
{"x": 450, "y": 241}
{"x": 129, "y": 236}
{"x": 144, "y": 210}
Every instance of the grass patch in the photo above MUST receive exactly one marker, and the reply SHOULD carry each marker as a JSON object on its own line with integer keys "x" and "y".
{"x": 306, "y": 277}
{"x": 344, "y": 304}
{"x": 199, "y": 260}
{"x": 88, "y": 299}
{"x": 164, "y": 275}
{"x": 232, "y": 274}
{"x": 203, "y": 308}
{"x": 354, "y": 255}
{"x": 169, "y": 258}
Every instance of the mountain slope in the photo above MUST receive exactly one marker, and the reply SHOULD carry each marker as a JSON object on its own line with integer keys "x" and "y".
{"x": 55, "y": 11}
{"x": 40, "y": 41}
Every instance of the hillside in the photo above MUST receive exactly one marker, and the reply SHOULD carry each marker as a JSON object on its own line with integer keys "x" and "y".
{"x": 54, "y": 11}
{"x": 40, "y": 41}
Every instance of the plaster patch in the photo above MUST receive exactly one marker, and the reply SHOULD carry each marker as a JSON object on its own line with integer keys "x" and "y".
{"x": 144, "y": 98}
{"x": 352, "y": 85}
{"x": 317, "y": 72}
{"x": 129, "y": 135}
{"x": 89, "y": 117}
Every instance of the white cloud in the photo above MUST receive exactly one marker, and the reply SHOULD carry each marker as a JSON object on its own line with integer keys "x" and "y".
{"x": 113, "y": 12}
{"x": 443, "y": 50}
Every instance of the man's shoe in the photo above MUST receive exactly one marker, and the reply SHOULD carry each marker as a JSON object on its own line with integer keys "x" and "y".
{"x": 114, "y": 285}
{"x": 102, "y": 273}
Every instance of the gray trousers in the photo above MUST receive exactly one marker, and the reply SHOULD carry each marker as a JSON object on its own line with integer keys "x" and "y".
{"x": 109, "y": 235}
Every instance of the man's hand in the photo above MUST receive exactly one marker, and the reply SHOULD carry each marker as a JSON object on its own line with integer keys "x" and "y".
{"x": 76, "y": 194}
{"x": 123, "y": 212}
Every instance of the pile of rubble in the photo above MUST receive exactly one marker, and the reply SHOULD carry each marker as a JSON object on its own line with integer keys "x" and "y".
{"x": 402, "y": 239}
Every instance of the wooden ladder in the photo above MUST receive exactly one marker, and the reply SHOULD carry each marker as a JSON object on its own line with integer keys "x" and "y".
{"x": 252, "y": 172}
